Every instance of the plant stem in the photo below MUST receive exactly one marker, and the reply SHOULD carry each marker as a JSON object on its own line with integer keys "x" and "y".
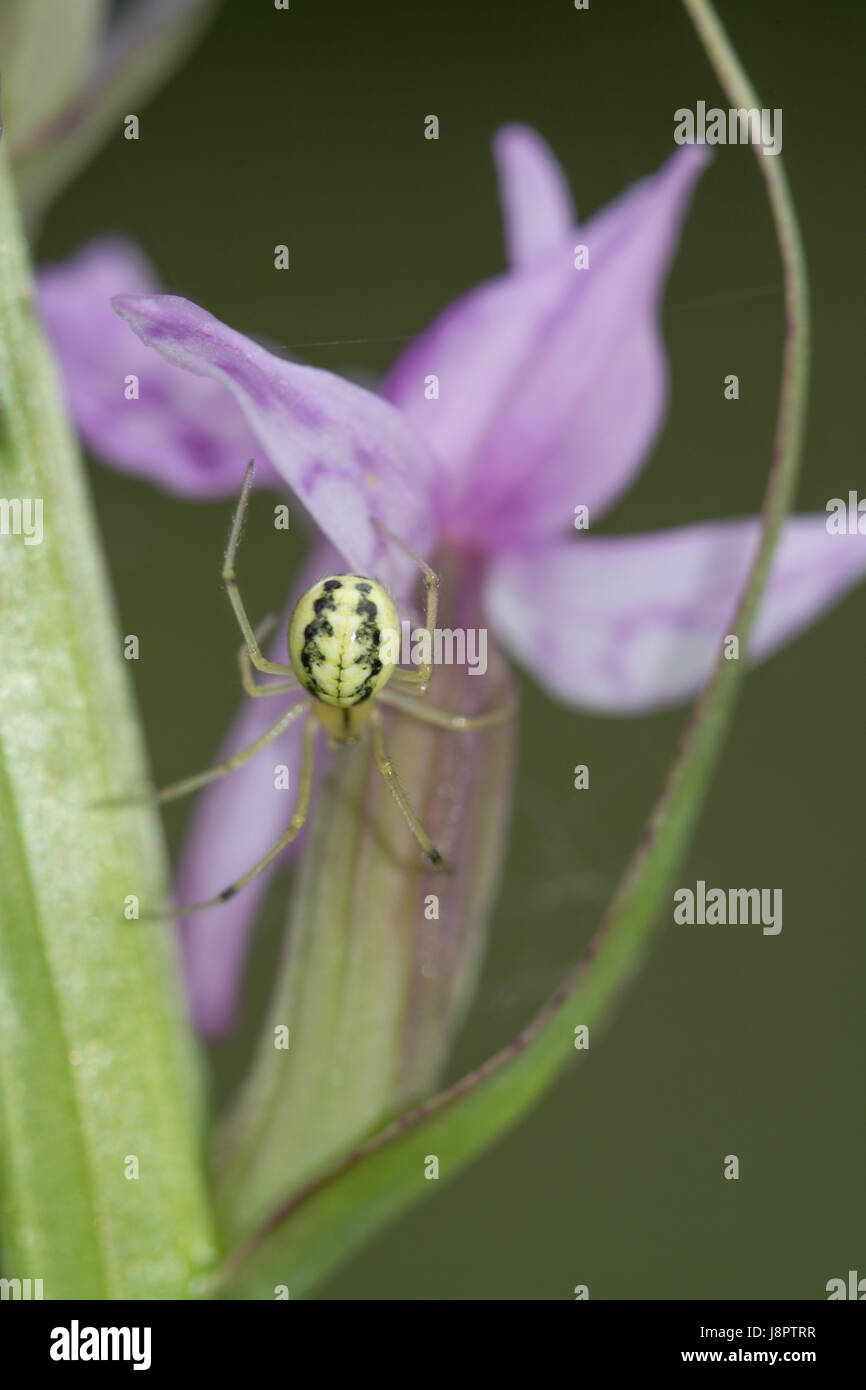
{"x": 795, "y": 365}
{"x": 101, "y": 1187}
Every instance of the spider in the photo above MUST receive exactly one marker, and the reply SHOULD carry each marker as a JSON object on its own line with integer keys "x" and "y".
{"x": 343, "y": 646}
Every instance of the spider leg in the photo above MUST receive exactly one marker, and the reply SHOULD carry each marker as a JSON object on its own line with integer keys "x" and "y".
{"x": 419, "y": 678}
{"x": 395, "y": 787}
{"x": 260, "y": 662}
{"x": 258, "y": 689}
{"x": 201, "y": 779}
{"x": 443, "y": 718}
{"x": 293, "y": 830}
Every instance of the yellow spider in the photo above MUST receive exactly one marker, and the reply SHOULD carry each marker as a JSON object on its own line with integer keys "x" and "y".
{"x": 343, "y": 647}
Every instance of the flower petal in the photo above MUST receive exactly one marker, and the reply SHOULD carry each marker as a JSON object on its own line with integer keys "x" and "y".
{"x": 183, "y": 433}
{"x": 629, "y": 623}
{"x": 537, "y": 209}
{"x": 235, "y": 822}
{"x": 347, "y": 454}
{"x": 551, "y": 378}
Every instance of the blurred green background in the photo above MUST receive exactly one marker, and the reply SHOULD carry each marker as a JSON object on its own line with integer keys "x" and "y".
{"x": 306, "y": 127}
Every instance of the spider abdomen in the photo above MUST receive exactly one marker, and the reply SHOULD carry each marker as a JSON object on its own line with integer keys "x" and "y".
{"x": 343, "y": 639}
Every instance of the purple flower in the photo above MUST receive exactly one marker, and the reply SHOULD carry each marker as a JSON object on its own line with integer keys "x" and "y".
{"x": 539, "y": 391}
{"x": 188, "y": 434}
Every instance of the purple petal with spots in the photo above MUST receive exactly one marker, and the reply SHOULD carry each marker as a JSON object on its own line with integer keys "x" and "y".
{"x": 235, "y": 822}
{"x": 625, "y": 624}
{"x": 551, "y": 379}
{"x": 184, "y": 433}
{"x": 347, "y": 454}
{"x": 537, "y": 208}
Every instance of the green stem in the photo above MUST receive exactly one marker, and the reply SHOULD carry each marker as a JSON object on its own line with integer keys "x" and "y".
{"x": 97, "y": 1078}
{"x": 795, "y": 365}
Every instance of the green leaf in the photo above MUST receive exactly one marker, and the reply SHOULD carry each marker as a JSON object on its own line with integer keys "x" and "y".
{"x": 96, "y": 1067}
{"x": 319, "y": 1225}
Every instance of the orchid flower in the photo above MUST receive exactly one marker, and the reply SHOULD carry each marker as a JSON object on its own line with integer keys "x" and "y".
{"x": 536, "y": 393}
